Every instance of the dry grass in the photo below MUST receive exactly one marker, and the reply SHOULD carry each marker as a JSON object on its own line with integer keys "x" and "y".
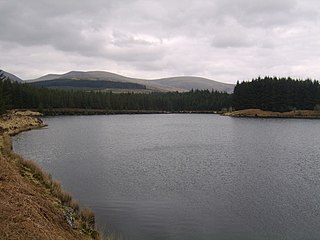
{"x": 33, "y": 205}
{"x": 28, "y": 210}
{"x": 269, "y": 114}
{"x": 87, "y": 215}
{"x": 88, "y": 222}
{"x": 16, "y": 121}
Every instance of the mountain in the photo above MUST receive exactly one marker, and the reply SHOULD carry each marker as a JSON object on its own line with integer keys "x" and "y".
{"x": 90, "y": 75}
{"x": 189, "y": 83}
{"x": 67, "y": 83}
{"x": 12, "y": 77}
{"x": 145, "y": 85}
{"x": 107, "y": 80}
{"x": 45, "y": 78}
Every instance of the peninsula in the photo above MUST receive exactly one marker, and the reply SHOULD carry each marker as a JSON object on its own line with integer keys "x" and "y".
{"x": 258, "y": 113}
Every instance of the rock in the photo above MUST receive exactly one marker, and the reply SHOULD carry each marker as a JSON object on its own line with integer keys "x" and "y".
{"x": 69, "y": 215}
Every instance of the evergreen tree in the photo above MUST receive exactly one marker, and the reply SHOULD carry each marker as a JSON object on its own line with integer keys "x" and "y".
{"x": 276, "y": 94}
{"x": 22, "y": 95}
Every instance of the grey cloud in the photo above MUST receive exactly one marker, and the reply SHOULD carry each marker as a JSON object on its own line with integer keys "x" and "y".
{"x": 227, "y": 39}
{"x": 135, "y": 54}
{"x": 254, "y": 6}
{"x": 66, "y": 25}
{"x": 232, "y": 35}
{"x": 121, "y": 39}
{"x": 258, "y": 13}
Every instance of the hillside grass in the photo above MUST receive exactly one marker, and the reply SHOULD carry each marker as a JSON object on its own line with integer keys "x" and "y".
{"x": 32, "y": 204}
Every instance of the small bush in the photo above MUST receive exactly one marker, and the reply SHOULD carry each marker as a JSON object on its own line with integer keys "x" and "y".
{"x": 75, "y": 206}
{"x": 88, "y": 216}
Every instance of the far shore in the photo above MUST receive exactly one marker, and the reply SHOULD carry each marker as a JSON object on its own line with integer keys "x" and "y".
{"x": 245, "y": 113}
{"x": 83, "y": 111}
{"x": 258, "y": 113}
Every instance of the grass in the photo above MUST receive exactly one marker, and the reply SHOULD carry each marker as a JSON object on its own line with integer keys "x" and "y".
{"x": 270, "y": 114}
{"x": 85, "y": 218}
{"x": 88, "y": 222}
{"x": 34, "y": 206}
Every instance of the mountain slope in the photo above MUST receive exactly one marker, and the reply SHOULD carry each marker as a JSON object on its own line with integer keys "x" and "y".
{"x": 180, "y": 84}
{"x": 108, "y": 76}
{"x": 189, "y": 83}
{"x": 64, "y": 83}
{"x": 12, "y": 77}
{"x": 92, "y": 75}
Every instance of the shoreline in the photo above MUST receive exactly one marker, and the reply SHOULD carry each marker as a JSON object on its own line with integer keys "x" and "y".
{"x": 258, "y": 113}
{"x": 246, "y": 113}
{"x": 82, "y": 111}
{"x": 32, "y": 204}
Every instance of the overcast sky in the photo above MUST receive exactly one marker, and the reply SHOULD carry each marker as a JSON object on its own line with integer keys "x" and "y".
{"x": 224, "y": 40}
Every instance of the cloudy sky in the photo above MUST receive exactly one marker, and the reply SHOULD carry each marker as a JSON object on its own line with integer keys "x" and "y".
{"x": 224, "y": 40}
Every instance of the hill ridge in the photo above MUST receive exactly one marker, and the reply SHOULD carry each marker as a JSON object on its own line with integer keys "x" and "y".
{"x": 167, "y": 84}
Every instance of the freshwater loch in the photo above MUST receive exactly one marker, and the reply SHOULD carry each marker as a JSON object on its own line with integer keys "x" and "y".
{"x": 186, "y": 176}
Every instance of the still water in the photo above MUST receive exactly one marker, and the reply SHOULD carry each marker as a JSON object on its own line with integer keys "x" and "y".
{"x": 186, "y": 176}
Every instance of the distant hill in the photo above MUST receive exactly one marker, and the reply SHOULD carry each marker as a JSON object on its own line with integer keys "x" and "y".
{"x": 63, "y": 83}
{"x": 12, "y": 77}
{"x": 107, "y": 76}
{"x": 189, "y": 83}
{"x": 81, "y": 79}
{"x": 90, "y": 75}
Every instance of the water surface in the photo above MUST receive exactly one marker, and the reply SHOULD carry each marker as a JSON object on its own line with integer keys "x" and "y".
{"x": 187, "y": 176}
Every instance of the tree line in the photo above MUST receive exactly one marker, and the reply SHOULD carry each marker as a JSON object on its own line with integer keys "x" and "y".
{"x": 277, "y": 94}
{"x": 268, "y": 93}
{"x": 14, "y": 95}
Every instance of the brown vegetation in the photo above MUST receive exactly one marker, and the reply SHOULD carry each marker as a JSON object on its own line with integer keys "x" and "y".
{"x": 15, "y": 122}
{"x": 268, "y": 114}
{"x": 32, "y": 205}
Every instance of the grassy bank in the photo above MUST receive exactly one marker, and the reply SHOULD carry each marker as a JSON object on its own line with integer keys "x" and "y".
{"x": 33, "y": 205}
{"x": 257, "y": 113}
